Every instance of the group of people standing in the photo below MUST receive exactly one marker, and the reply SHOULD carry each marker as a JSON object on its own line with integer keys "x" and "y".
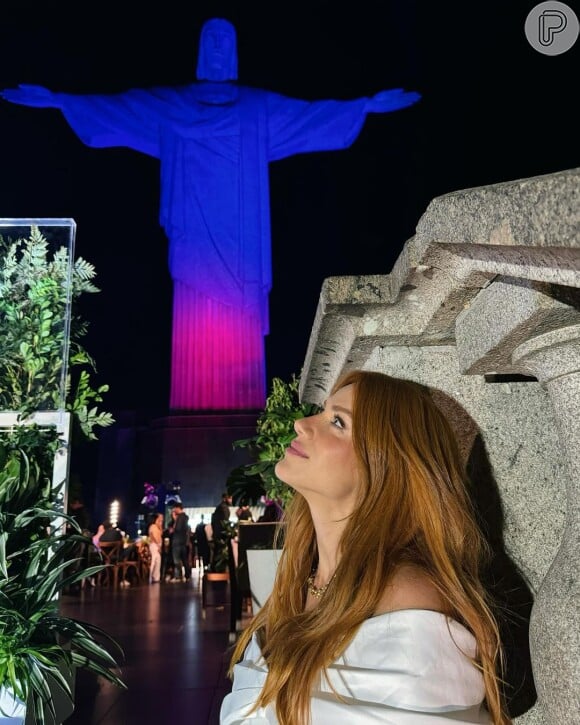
{"x": 175, "y": 562}
{"x": 179, "y": 533}
{"x": 206, "y": 534}
{"x": 183, "y": 541}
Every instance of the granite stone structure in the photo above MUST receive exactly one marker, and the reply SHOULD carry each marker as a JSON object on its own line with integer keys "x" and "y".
{"x": 483, "y": 306}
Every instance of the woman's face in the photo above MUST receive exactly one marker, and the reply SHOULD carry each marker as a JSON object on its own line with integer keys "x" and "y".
{"x": 320, "y": 462}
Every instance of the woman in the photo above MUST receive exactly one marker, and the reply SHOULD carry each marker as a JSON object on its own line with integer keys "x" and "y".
{"x": 155, "y": 534}
{"x": 378, "y": 613}
{"x": 96, "y": 538}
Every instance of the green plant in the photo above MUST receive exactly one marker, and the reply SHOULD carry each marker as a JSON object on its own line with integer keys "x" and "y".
{"x": 274, "y": 432}
{"x": 220, "y": 559}
{"x": 39, "y": 648}
{"x": 35, "y": 291}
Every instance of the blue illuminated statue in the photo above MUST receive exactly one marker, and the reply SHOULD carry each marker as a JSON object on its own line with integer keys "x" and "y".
{"x": 214, "y": 140}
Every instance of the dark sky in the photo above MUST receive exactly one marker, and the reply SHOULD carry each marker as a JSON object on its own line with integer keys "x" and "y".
{"x": 493, "y": 109}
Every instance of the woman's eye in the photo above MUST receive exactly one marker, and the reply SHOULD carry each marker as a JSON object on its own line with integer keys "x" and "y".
{"x": 337, "y": 421}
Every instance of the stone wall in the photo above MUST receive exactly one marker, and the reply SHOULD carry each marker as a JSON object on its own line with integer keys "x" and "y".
{"x": 483, "y": 306}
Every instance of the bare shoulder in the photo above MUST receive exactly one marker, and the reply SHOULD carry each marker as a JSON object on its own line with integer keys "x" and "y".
{"x": 410, "y": 588}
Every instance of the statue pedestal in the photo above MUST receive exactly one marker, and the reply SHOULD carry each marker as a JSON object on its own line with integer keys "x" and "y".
{"x": 196, "y": 450}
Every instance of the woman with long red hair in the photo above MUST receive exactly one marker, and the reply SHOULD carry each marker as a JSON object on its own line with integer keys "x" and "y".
{"x": 378, "y": 613}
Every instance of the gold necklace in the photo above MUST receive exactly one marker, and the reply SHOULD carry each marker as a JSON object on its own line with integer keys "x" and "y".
{"x": 318, "y": 591}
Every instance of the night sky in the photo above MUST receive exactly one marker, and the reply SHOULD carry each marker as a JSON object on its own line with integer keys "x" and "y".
{"x": 493, "y": 109}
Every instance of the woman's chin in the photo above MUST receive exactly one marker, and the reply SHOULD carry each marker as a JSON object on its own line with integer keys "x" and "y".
{"x": 280, "y": 469}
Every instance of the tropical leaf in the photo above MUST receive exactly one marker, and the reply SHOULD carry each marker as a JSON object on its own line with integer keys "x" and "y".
{"x": 274, "y": 432}
{"x": 39, "y": 648}
{"x": 35, "y": 291}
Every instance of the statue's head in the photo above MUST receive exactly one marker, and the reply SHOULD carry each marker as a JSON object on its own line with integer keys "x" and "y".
{"x": 218, "y": 54}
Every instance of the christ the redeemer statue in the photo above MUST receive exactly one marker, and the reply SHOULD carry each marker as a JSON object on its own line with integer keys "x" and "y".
{"x": 214, "y": 140}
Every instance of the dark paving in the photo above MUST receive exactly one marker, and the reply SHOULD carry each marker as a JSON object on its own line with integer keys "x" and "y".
{"x": 175, "y": 661}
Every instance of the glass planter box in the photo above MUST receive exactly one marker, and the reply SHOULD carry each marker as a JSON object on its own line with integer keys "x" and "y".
{"x": 36, "y": 260}
{"x": 36, "y": 267}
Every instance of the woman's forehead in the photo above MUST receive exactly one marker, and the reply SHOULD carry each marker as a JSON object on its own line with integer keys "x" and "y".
{"x": 343, "y": 397}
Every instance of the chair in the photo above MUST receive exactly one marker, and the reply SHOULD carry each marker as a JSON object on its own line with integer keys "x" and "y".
{"x": 125, "y": 566}
{"x": 144, "y": 554}
{"x": 118, "y": 568}
{"x": 111, "y": 552}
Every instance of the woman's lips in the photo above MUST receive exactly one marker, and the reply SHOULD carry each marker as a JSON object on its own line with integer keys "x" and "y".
{"x": 295, "y": 450}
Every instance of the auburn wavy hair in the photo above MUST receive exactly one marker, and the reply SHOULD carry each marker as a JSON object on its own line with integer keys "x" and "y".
{"x": 413, "y": 506}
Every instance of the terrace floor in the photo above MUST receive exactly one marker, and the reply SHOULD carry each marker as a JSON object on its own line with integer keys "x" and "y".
{"x": 175, "y": 661}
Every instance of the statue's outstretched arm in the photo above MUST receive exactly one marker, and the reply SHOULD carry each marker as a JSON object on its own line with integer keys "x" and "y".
{"x": 393, "y": 100}
{"x": 27, "y": 95}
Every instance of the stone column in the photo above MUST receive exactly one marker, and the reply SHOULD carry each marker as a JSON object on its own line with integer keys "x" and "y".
{"x": 554, "y": 358}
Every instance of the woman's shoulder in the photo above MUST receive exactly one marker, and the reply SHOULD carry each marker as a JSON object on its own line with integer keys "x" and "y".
{"x": 410, "y": 587}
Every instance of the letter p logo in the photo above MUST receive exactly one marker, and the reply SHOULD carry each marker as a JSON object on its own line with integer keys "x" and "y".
{"x": 551, "y": 22}
{"x": 551, "y": 28}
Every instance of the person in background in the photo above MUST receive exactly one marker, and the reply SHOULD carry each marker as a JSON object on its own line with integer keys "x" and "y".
{"x": 221, "y": 514}
{"x": 81, "y": 552}
{"x": 94, "y": 557}
{"x": 179, "y": 530}
{"x": 272, "y": 513}
{"x": 378, "y": 611}
{"x": 243, "y": 512}
{"x": 219, "y": 518}
{"x": 110, "y": 533}
{"x": 167, "y": 567}
{"x": 201, "y": 543}
{"x": 96, "y": 538}
{"x": 79, "y": 512}
{"x": 208, "y": 528}
{"x": 155, "y": 534}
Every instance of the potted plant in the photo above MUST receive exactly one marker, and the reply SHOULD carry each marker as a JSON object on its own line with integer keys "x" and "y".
{"x": 220, "y": 559}
{"x": 216, "y": 577}
{"x": 39, "y": 648}
{"x": 257, "y": 481}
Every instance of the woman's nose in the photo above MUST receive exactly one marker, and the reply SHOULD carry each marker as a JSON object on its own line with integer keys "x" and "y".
{"x": 301, "y": 425}
{"x": 298, "y": 425}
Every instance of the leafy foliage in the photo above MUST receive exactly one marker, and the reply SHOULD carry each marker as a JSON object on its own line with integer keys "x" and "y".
{"x": 35, "y": 294}
{"x": 26, "y": 454}
{"x": 274, "y": 432}
{"x": 220, "y": 559}
{"x": 38, "y": 542}
{"x": 38, "y": 646}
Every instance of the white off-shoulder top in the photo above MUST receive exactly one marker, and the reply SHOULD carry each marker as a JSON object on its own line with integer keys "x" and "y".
{"x": 408, "y": 667}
